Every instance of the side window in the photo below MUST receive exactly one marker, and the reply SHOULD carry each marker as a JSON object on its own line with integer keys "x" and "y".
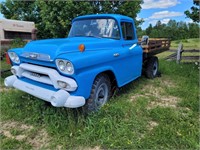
{"x": 127, "y": 30}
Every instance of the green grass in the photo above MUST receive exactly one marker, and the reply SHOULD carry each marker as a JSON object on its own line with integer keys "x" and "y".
{"x": 8, "y": 143}
{"x": 187, "y": 44}
{"x": 123, "y": 123}
{"x": 146, "y": 114}
{"x": 4, "y": 66}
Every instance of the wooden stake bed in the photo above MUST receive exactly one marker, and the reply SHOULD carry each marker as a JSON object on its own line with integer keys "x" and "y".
{"x": 156, "y": 45}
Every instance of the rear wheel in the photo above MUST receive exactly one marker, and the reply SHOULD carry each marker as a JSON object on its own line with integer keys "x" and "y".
{"x": 151, "y": 67}
{"x": 100, "y": 93}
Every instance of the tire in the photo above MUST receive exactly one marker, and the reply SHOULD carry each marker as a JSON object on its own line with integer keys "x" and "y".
{"x": 100, "y": 93}
{"x": 151, "y": 67}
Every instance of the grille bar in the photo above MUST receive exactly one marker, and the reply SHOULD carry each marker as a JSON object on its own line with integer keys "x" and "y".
{"x": 37, "y": 77}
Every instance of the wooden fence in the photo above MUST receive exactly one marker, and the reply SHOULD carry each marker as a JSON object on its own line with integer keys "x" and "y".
{"x": 177, "y": 55}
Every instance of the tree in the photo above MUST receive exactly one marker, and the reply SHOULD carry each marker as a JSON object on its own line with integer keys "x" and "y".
{"x": 20, "y": 10}
{"x": 149, "y": 29}
{"x": 140, "y": 32}
{"x": 183, "y": 29}
{"x": 173, "y": 30}
{"x": 23, "y": 10}
{"x": 57, "y": 15}
{"x": 53, "y": 18}
{"x": 194, "y": 13}
{"x": 158, "y": 24}
{"x": 193, "y": 30}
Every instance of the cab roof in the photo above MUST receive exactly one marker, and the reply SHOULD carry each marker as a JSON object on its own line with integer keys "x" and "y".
{"x": 118, "y": 17}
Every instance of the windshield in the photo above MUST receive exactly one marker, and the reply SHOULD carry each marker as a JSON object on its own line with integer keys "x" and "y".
{"x": 100, "y": 28}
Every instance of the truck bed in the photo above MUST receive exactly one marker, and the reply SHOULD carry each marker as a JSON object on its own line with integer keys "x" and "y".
{"x": 156, "y": 46}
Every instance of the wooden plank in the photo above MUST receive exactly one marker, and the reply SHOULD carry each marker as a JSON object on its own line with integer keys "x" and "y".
{"x": 171, "y": 56}
{"x": 192, "y": 51}
{"x": 156, "y": 45}
{"x": 190, "y": 57}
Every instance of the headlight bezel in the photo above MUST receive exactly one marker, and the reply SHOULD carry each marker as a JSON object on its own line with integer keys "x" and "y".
{"x": 14, "y": 57}
{"x": 68, "y": 67}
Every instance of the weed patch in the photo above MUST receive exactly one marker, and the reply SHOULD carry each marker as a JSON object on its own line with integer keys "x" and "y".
{"x": 151, "y": 125}
{"x": 23, "y": 133}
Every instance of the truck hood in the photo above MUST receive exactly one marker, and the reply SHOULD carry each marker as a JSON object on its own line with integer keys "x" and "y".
{"x": 55, "y": 47}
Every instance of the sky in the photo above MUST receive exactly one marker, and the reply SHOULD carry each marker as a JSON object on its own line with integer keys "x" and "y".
{"x": 163, "y": 10}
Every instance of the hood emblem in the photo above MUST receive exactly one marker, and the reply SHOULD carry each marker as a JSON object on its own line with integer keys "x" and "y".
{"x": 33, "y": 55}
{"x": 38, "y": 56}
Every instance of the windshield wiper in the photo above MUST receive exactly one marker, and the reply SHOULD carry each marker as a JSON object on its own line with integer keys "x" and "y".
{"x": 78, "y": 35}
{"x": 86, "y": 36}
{"x": 93, "y": 36}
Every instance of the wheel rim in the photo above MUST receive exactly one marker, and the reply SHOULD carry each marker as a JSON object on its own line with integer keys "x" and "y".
{"x": 101, "y": 95}
{"x": 155, "y": 68}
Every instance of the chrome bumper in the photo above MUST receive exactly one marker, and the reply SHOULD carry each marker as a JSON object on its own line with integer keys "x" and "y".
{"x": 60, "y": 98}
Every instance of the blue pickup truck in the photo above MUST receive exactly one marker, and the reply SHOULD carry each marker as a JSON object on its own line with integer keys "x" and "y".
{"x": 101, "y": 52}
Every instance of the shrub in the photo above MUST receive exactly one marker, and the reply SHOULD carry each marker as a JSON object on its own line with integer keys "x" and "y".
{"x": 17, "y": 43}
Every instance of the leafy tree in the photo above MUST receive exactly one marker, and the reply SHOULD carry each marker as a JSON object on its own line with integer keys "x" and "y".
{"x": 183, "y": 29}
{"x": 193, "y": 30}
{"x": 158, "y": 24}
{"x": 20, "y": 10}
{"x": 140, "y": 32}
{"x": 57, "y": 15}
{"x": 194, "y": 13}
{"x": 23, "y": 10}
{"x": 149, "y": 29}
{"x": 53, "y": 18}
{"x": 173, "y": 30}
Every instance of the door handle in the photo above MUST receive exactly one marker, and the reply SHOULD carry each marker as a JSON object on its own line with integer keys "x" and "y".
{"x": 116, "y": 54}
{"x": 133, "y": 46}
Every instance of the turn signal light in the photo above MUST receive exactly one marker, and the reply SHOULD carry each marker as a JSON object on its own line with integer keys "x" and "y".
{"x": 7, "y": 59}
{"x": 81, "y": 47}
{"x": 62, "y": 84}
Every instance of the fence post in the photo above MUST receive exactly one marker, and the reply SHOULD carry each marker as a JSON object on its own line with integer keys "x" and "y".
{"x": 179, "y": 53}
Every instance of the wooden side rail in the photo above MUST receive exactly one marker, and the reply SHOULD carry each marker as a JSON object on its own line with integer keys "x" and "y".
{"x": 156, "y": 45}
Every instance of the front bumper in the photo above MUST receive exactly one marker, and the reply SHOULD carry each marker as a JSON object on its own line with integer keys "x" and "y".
{"x": 61, "y": 98}
{"x": 58, "y": 98}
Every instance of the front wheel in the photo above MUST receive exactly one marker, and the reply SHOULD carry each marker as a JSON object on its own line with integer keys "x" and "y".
{"x": 100, "y": 93}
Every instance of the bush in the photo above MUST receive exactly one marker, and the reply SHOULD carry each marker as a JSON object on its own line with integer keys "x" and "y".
{"x": 17, "y": 43}
{"x": 185, "y": 40}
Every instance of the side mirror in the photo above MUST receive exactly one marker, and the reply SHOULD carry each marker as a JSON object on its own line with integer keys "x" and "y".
{"x": 145, "y": 40}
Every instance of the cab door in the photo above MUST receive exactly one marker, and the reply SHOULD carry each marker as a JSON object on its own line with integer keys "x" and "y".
{"x": 131, "y": 51}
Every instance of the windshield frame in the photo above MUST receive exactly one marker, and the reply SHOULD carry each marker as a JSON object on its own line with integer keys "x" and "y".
{"x": 91, "y": 18}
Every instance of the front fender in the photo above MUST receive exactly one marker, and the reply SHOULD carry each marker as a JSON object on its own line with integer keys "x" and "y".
{"x": 87, "y": 66}
{"x": 85, "y": 80}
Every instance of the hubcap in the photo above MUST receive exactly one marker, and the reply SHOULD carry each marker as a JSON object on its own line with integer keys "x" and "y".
{"x": 101, "y": 95}
{"x": 155, "y": 68}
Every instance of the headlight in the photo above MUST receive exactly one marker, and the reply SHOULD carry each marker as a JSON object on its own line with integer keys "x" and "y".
{"x": 69, "y": 67}
{"x": 65, "y": 66}
{"x": 61, "y": 65}
{"x": 13, "y": 56}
